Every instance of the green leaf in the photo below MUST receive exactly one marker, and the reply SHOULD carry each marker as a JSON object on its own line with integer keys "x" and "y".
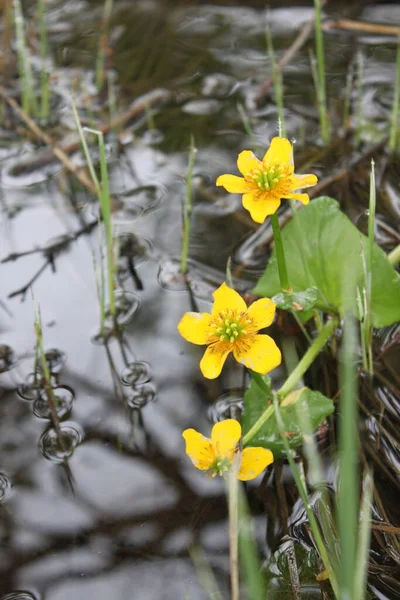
{"x": 318, "y": 242}
{"x": 255, "y": 403}
{"x": 297, "y": 301}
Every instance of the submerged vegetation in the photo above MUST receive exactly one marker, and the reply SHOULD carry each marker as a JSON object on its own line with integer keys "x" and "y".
{"x": 310, "y": 409}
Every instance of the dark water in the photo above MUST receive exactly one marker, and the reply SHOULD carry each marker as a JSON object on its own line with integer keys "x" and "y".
{"x": 113, "y": 510}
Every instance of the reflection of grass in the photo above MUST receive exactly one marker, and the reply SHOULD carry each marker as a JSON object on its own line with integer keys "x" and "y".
{"x": 187, "y": 209}
{"x": 359, "y": 122}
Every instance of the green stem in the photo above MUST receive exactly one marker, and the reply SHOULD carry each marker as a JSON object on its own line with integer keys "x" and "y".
{"x": 394, "y": 256}
{"x": 280, "y": 253}
{"x": 307, "y": 359}
{"x": 371, "y": 241}
{"x": 278, "y": 86}
{"x": 396, "y": 102}
{"x": 303, "y": 494}
{"x": 233, "y": 489}
{"x": 293, "y": 378}
{"x": 44, "y": 76}
{"x": 321, "y": 84}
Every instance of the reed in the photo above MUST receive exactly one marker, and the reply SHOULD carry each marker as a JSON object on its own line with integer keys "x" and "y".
{"x": 187, "y": 209}
{"x": 278, "y": 83}
{"x": 359, "y": 117}
{"x": 103, "y": 194}
{"x": 44, "y": 75}
{"x": 102, "y": 48}
{"x": 28, "y": 98}
{"x": 394, "y": 120}
{"x": 321, "y": 78}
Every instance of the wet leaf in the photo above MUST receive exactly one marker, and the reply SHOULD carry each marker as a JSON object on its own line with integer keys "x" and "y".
{"x": 256, "y": 401}
{"x": 297, "y": 301}
{"x": 318, "y": 243}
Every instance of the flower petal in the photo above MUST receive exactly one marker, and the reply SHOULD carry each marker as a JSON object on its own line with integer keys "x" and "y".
{"x": 263, "y": 355}
{"x": 213, "y": 360}
{"x": 303, "y": 181}
{"x": 254, "y": 461}
{"x": 233, "y": 184}
{"x": 225, "y": 297}
{"x": 194, "y": 327}
{"x": 225, "y": 437}
{"x": 259, "y": 209}
{"x": 280, "y": 151}
{"x": 304, "y": 198}
{"x": 247, "y": 161}
{"x": 262, "y": 312}
{"x": 199, "y": 449}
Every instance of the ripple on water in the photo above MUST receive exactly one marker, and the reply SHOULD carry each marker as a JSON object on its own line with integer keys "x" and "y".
{"x": 139, "y": 201}
{"x": 33, "y": 386}
{"x": 136, "y": 373}
{"x": 142, "y": 396}
{"x": 126, "y": 305}
{"x": 5, "y": 486}
{"x": 58, "y": 449}
{"x": 55, "y": 359}
{"x": 19, "y": 595}
{"x": 227, "y": 406}
{"x": 63, "y": 398}
{"x": 7, "y": 358}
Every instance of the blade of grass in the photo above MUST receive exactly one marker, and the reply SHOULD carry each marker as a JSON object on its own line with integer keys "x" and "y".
{"x": 394, "y": 121}
{"x": 102, "y": 49}
{"x": 371, "y": 242}
{"x": 29, "y": 104}
{"x": 44, "y": 76}
{"x": 315, "y": 529}
{"x": 204, "y": 573}
{"x": 277, "y": 80}
{"x": 364, "y": 539}
{"x": 187, "y": 209}
{"x": 359, "y": 122}
{"x": 347, "y": 498}
{"x": 321, "y": 82}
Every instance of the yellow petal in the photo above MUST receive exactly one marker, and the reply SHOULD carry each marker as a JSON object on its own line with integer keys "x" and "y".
{"x": 233, "y": 184}
{"x": 262, "y": 312}
{"x": 254, "y": 461}
{"x": 225, "y": 297}
{"x": 303, "y": 181}
{"x": 247, "y": 161}
{"x": 280, "y": 151}
{"x": 194, "y": 327}
{"x": 304, "y": 198}
{"x": 213, "y": 360}
{"x": 259, "y": 209}
{"x": 199, "y": 449}
{"x": 262, "y": 356}
{"x": 225, "y": 437}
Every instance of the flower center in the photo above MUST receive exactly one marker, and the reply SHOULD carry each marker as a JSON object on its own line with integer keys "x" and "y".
{"x": 229, "y": 325}
{"x": 220, "y": 465}
{"x": 268, "y": 177}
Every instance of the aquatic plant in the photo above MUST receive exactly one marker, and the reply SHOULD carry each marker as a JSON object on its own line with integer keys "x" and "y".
{"x": 265, "y": 183}
{"x": 232, "y": 327}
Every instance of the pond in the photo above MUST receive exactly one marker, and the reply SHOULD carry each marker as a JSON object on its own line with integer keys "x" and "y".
{"x": 100, "y": 501}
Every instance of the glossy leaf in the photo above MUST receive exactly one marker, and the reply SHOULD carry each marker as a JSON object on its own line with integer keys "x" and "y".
{"x": 318, "y": 244}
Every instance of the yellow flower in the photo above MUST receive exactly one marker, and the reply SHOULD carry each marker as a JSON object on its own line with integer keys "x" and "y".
{"x": 265, "y": 183}
{"x": 216, "y": 454}
{"x": 232, "y": 327}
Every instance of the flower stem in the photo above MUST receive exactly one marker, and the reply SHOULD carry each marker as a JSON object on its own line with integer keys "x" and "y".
{"x": 307, "y": 359}
{"x": 280, "y": 253}
{"x": 233, "y": 489}
{"x": 293, "y": 378}
{"x": 187, "y": 209}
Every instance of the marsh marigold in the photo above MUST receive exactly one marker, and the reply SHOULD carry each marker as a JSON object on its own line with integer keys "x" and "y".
{"x": 233, "y": 327}
{"x": 265, "y": 182}
{"x": 216, "y": 454}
